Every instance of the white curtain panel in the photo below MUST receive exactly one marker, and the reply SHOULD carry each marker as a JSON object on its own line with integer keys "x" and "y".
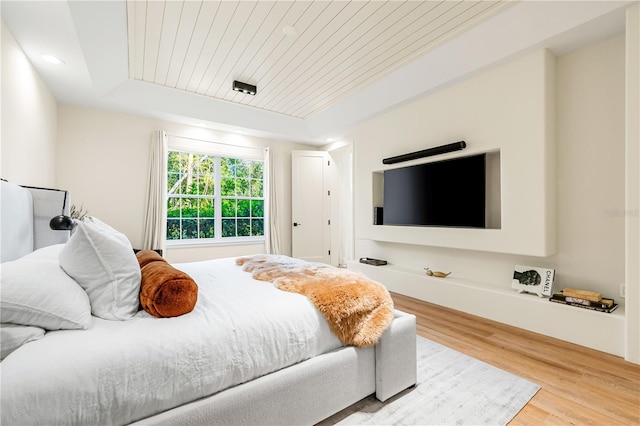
{"x": 272, "y": 228}
{"x": 155, "y": 225}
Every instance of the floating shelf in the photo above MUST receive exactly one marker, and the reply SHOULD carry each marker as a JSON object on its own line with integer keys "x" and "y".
{"x": 597, "y": 330}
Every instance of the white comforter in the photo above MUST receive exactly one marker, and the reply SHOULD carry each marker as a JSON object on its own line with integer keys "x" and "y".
{"x": 121, "y": 371}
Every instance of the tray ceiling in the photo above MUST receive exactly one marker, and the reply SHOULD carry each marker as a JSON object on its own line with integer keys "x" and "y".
{"x": 332, "y": 49}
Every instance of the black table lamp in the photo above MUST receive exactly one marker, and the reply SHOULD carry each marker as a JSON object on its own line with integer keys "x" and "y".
{"x": 62, "y": 222}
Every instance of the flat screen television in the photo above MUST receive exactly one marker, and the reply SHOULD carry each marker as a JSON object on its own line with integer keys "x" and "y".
{"x": 441, "y": 193}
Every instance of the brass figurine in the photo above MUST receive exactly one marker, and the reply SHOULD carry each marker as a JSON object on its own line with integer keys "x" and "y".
{"x": 436, "y": 273}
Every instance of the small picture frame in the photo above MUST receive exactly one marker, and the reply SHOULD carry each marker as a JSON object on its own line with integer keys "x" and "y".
{"x": 533, "y": 279}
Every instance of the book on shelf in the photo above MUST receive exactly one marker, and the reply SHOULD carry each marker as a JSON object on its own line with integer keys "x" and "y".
{"x": 533, "y": 279}
{"x": 605, "y": 305}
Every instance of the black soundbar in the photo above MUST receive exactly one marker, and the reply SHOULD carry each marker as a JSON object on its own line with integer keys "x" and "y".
{"x": 456, "y": 146}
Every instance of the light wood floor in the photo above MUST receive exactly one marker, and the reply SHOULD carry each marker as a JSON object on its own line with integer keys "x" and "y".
{"x": 578, "y": 385}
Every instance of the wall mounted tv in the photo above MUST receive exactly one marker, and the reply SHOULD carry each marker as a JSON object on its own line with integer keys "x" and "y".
{"x": 442, "y": 193}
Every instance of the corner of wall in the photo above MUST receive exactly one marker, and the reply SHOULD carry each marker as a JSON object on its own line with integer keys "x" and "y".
{"x": 632, "y": 180}
{"x": 29, "y": 119}
{"x": 550, "y": 152}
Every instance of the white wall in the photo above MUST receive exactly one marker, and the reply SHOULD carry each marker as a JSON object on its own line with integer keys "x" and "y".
{"x": 29, "y": 120}
{"x": 632, "y": 208}
{"x": 590, "y": 173}
{"x": 508, "y": 109}
{"x": 591, "y": 167}
{"x": 103, "y": 158}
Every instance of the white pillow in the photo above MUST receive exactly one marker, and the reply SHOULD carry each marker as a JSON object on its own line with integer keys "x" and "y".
{"x": 102, "y": 261}
{"x": 50, "y": 253}
{"x": 38, "y": 292}
{"x": 12, "y": 336}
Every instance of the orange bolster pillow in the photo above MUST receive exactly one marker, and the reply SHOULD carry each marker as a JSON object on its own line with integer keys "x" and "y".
{"x": 147, "y": 256}
{"x": 165, "y": 291}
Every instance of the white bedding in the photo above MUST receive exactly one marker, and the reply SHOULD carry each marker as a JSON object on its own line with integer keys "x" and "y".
{"x": 117, "y": 372}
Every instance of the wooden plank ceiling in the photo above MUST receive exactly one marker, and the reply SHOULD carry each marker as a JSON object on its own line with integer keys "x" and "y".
{"x": 338, "y": 46}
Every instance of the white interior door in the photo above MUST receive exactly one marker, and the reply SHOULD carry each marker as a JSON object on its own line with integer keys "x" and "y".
{"x": 311, "y": 208}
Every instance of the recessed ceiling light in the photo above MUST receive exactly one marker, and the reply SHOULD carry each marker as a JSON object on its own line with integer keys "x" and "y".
{"x": 52, "y": 59}
{"x": 330, "y": 139}
{"x": 290, "y": 31}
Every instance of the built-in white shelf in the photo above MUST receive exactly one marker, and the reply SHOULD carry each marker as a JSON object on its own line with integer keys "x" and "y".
{"x": 597, "y": 330}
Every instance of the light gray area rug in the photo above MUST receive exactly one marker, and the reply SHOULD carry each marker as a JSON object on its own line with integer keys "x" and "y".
{"x": 452, "y": 389}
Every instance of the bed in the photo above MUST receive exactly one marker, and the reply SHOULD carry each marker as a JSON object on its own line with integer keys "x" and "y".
{"x": 248, "y": 353}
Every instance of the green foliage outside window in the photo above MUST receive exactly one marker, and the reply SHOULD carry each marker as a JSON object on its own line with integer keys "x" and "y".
{"x": 192, "y": 192}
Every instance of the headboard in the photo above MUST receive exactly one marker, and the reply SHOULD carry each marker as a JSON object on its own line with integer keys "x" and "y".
{"x": 25, "y": 213}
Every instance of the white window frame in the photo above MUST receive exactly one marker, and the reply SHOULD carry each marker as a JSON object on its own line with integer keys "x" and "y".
{"x": 200, "y": 147}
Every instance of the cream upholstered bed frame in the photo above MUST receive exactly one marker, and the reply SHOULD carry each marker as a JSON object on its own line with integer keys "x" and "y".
{"x": 312, "y": 390}
{"x": 304, "y": 393}
{"x": 25, "y": 213}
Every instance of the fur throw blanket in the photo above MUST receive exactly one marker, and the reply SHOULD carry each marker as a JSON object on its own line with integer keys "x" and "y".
{"x": 357, "y": 309}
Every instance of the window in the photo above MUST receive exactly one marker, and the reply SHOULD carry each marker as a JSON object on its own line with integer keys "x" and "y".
{"x": 214, "y": 198}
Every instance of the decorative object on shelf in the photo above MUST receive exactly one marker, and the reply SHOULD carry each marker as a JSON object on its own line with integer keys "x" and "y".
{"x": 532, "y": 279}
{"x": 372, "y": 261}
{"x": 456, "y": 146}
{"x": 566, "y": 297}
{"x": 437, "y": 274}
{"x": 593, "y": 296}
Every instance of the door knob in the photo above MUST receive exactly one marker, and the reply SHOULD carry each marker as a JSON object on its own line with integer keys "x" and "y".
{"x": 297, "y": 224}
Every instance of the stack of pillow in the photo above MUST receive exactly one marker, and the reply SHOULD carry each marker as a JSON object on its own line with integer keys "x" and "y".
{"x": 61, "y": 286}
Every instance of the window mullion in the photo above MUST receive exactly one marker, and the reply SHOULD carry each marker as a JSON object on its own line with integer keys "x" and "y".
{"x": 217, "y": 200}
